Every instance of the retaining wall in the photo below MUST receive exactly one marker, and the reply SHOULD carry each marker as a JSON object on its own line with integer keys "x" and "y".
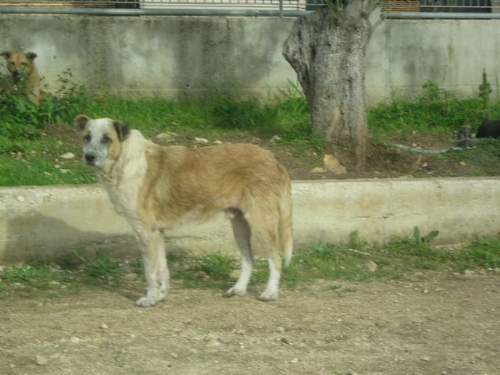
{"x": 50, "y": 222}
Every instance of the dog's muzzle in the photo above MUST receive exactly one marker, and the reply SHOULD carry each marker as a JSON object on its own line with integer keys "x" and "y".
{"x": 89, "y": 159}
{"x": 17, "y": 75}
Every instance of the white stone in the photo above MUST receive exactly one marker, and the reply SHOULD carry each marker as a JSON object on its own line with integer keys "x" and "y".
{"x": 67, "y": 155}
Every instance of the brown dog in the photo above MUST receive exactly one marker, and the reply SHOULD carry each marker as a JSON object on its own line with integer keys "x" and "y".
{"x": 157, "y": 188}
{"x": 24, "y": 74}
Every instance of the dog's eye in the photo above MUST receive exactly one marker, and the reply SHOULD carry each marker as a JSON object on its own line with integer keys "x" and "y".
{"x": 87, "y": 138}
{"x": 105, "y": 139}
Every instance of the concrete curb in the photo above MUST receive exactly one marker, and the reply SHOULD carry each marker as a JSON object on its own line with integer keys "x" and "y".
{"x": 50, "y": 222}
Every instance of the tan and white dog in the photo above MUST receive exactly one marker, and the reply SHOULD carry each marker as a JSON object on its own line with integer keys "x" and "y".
{"x": 24, "y": 72}
{"x": 158, "y": 187}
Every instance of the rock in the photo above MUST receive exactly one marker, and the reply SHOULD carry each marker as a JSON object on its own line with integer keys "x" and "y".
{"x": 217, "y": 142}
{"x": 200, "y": 140}
{"x": 317, "y": 170}
{"x": 255, "y": 140}
{"x": 280, "y": 329}
{"x": 295, "y": 360}
{"x": 213, "y": 340}
{"x": 104, "y": 326}
{"x": 275, "y": 138}
{"x": 67, "y": 155}
{"x": 332, "y": 164}
{"x": 371, "y": 265}
{"x": 166, "y": 136}
{"x": 41, "y": 360}
{"x": 202, "y": 275}
{"x": 75, "y": 340}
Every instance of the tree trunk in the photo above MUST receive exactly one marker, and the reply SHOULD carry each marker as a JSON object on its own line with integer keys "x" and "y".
{"x": 327, "y": 50}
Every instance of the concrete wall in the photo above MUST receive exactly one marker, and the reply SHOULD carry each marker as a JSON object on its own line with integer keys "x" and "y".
{"x": 50, "y": 222}
{"x": 181, "y": 57}
{"x": 174, "y": 57}
{"x": 404, "y": 54}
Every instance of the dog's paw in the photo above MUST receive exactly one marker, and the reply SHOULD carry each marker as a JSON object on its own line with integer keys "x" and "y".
{"x": 268, "y": 295}
{"x": 145, "y": 302}
{"x": 234, "y": 291}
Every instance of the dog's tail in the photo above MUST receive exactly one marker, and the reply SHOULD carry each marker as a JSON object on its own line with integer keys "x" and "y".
{"x": 285, "y": 223}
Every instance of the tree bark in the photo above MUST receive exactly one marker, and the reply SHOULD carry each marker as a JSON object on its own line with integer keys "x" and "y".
{"x": 327, "y": 50}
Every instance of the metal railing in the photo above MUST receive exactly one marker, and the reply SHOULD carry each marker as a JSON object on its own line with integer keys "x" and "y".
{"x": 157, "y": 4}
{"x": 238, "y": 7}
{"x": 441, "y": 6}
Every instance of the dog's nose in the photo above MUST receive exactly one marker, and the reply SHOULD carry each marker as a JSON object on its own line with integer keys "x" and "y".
{"x": 89, "y": 158}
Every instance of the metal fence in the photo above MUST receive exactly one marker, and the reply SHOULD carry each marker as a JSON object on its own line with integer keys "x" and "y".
{"x": 441, "y": 6}
{"x": 158, "y": 4}
{"x": 238, "y": 7}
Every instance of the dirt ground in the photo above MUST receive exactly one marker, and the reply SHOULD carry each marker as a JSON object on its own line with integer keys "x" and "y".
{"x": 438, "y": 323}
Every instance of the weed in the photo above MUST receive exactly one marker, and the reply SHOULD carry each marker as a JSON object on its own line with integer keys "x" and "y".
{"x": 23, "y": 119}
{"x": 217, "y": 266}
{"x": 356, "y": 242}
{"x": 484, "y": 95}
{"x": 480, "y": 253}
{"x": 102, "y": 267}
{"x": 35, "y": 276}
{"x": 425, "y": 239}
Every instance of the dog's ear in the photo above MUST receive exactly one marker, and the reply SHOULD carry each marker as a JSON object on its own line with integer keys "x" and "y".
{"x": 80, "y": 122}
{"x": 31, "y": 55}
{"x": 6, "y": 54}
{"x": 122, "y": 129}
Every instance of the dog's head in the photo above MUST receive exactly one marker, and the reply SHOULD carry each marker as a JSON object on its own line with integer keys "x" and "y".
{"x": 19, "y": 64}
{"x": 102, "y": 140}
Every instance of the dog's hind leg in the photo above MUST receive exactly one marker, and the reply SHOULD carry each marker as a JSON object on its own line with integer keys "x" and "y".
{"x": 155, "y": 268}
{"x": 241, "y": 231}
{"x": 272, "y": 287}
{"x": 264, "y": 228}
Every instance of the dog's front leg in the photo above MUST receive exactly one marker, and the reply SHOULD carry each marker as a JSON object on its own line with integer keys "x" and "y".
{"x": 155, "y": 268}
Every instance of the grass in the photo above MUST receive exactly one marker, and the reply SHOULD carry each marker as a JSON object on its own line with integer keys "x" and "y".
{"x": 435, "y": 111}
{"x": 34, "y": 158}
{"x": 356, "y": 261}
{"x": 31, "y": 146}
